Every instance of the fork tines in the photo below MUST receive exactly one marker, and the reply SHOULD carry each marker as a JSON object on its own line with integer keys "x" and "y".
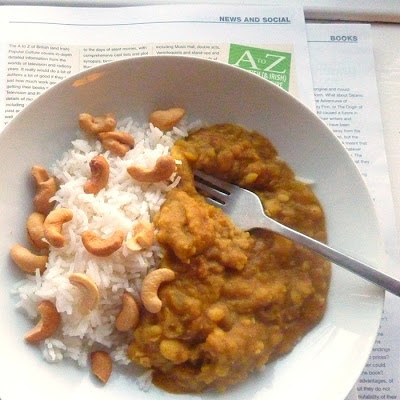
{"x": 212, "y": 188}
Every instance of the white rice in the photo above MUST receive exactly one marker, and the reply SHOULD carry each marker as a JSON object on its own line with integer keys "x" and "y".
{"x": 119, "y": 206}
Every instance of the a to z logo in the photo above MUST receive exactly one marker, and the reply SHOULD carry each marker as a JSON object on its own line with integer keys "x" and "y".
{"x": 269, "y": 64}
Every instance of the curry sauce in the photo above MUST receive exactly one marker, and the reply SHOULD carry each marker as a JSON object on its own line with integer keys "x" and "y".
{"x": 239, "y": 299}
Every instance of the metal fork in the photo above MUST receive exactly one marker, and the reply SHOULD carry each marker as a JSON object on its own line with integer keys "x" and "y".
{"x": 246, "y": 210}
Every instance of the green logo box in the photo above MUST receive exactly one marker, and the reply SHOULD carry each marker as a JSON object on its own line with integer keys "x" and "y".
{"x": 269, "y": 64}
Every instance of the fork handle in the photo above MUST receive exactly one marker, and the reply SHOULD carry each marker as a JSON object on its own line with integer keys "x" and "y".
{"x": 366, "y": 271}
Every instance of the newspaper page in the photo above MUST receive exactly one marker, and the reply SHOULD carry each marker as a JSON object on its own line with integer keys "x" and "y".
{"x": 346, "y": 97}
{"x": 386, "y": 40}
{"x": 269, "y": 41}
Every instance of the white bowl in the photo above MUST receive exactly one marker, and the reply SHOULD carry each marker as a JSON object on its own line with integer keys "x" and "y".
{"x": 328, "y": 361}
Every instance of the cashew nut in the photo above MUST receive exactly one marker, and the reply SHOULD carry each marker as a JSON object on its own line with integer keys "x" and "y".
{"x": 35, "y": 230}
{"x": 118, "y": 143}
{"x": 95, "y": 125}
{"x": 46, "y": 188}
{"x": 26, "y": 260}
{"x": 143, "y": 236}
{"x": 101, "y": 365}
{"x": 128, "y": 318}
{"x": 100, "y": 173}
{"x": 164, "y": 168}
{"x": 49, "y": 322}
{"x": 100, "y": 247}
{"x": 150, "y": 285}
{"x": 89, "y": 290}
{"x": 165, "y": 120}
{"x": 53, "y": 226}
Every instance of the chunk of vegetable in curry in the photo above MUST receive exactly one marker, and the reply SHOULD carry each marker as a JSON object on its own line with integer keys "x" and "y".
{"x": 239, "y": 299}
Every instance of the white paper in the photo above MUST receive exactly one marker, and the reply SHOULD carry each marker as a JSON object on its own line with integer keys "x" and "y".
{"x": 346, "y": 96}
